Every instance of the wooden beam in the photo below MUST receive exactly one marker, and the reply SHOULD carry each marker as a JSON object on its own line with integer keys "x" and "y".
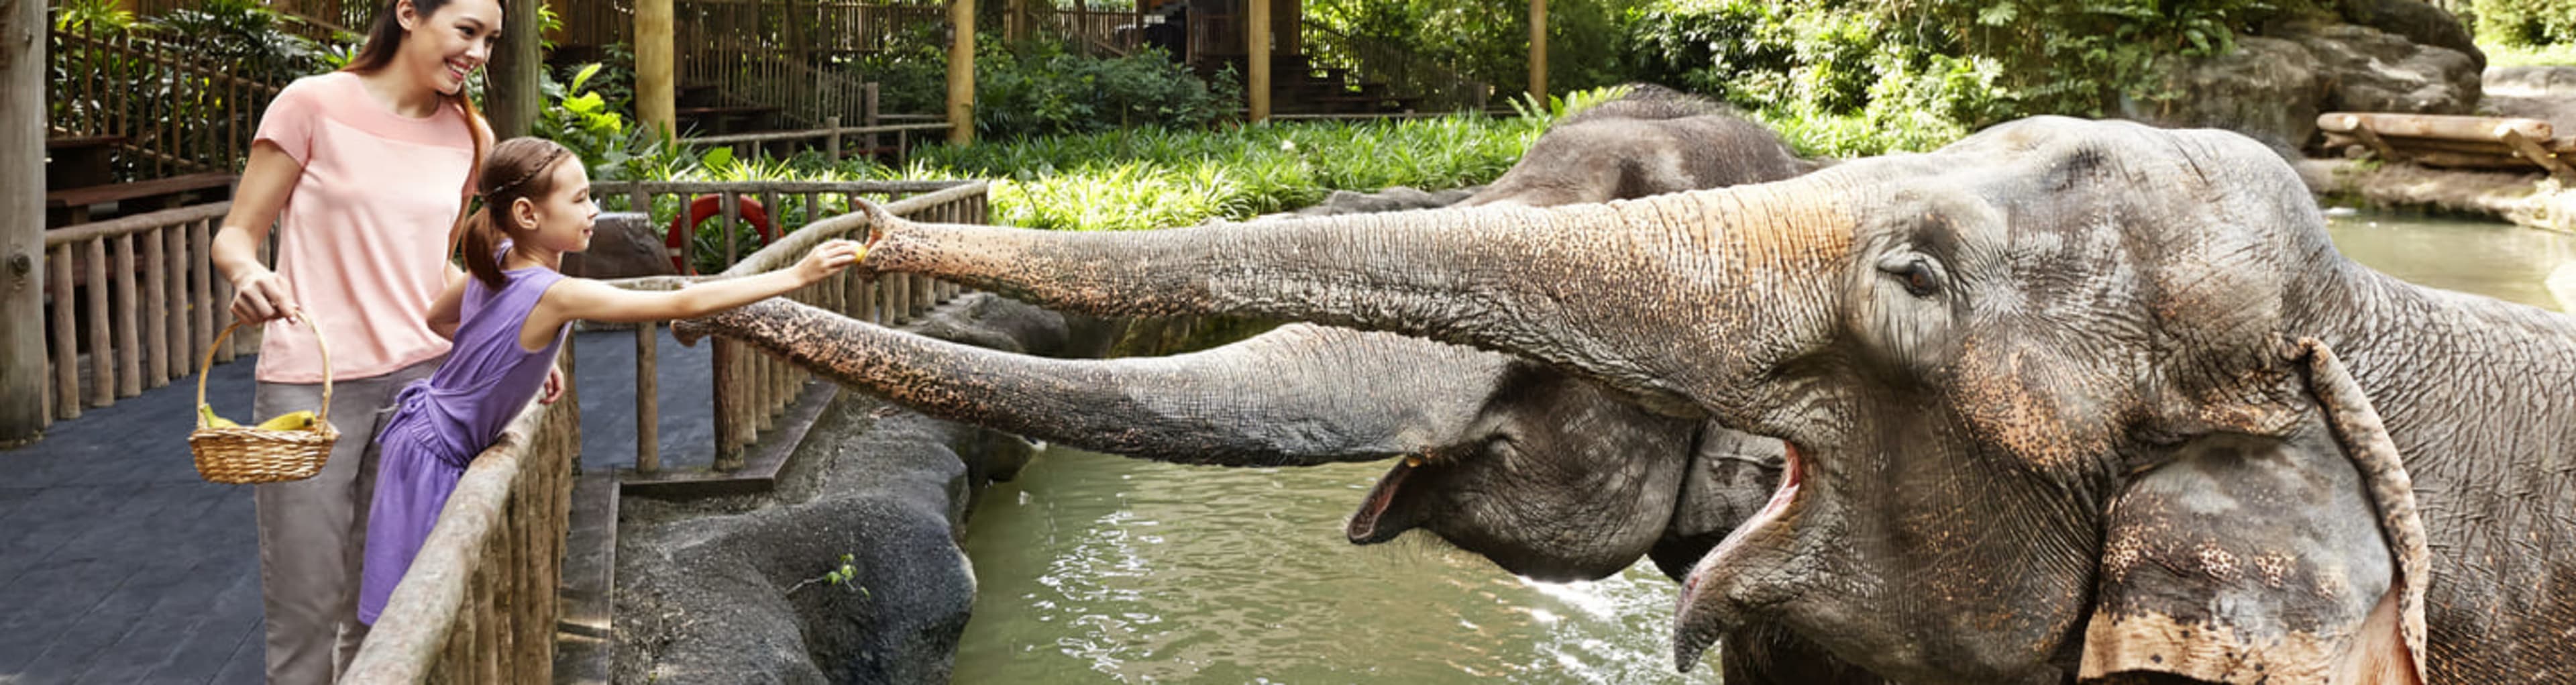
{"x": 22, "y": 222}
{"x": 1256, "y": 51}
{"x": 1538, "y": 51}
{"x": 2434, "y": 126}
{"x": 961, "y": 72}
{"x": 656, "y": 91}
{"x": 517, "y": 68}
{"x": 1015, "y": 18}
{"x": 2531, "y": 150}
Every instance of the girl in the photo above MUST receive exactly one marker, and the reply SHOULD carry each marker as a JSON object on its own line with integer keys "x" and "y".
{"x": 515, "y": 309}
{"x": 362, "y": 242}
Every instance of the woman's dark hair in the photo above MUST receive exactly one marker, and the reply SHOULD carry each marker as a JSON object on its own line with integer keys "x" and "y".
{"x": 385, "y": 38}
{"x": 519, "y": 168}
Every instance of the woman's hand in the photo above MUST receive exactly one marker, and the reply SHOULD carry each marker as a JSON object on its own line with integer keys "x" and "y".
{"x": 829, "y": 258}
{"x": 261, "y": 296}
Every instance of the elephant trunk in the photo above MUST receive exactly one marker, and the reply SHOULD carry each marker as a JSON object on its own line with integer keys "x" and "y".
{"x": 1596, "y": 288}
{"x": 1298, "y": 395}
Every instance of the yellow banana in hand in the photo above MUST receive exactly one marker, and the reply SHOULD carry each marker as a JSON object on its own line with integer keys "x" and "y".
{"x": 295, "y": 421}
{"x": 207, "y": 412}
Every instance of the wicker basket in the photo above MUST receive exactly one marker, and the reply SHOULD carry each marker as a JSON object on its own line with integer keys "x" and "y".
{"x": 249, "y": 454}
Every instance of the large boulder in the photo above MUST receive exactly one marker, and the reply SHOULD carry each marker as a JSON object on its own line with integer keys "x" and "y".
{"x": 2375, "y": 71}
{"x": 730, "y": 589}
{"x": 2267, "y": 88}
{"x": 2272, "y": 87}
{"x": 622, "y": 245}
{"x": 2418, "y": 22}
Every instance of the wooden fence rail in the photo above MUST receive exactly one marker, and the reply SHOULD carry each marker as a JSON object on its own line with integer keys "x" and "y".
{"x": 176, "y": 114}
{"x": 138, "y": 298}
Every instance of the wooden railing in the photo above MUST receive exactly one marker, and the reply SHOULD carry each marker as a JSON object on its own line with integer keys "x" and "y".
{"x": 750, "y": 74}
{"x": 175, "y": 114}
{"x": 750, "y": 391}
{"x": 805, "y": 29}
{"x": 833, "y": 135}
{"x": 478, "y": 604}
{"x": 138, "y": 295}
{"x": 1117, "y": 32}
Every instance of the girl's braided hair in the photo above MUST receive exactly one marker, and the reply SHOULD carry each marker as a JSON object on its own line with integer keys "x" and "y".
{"x": 519, "y": 168}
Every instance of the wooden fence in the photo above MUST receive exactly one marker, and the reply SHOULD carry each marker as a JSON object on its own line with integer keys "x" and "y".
{"x": 176, "y": 114}
{"x": 832, "y": 136}
{"x": 750, "y": 390}
{"x": 138, "y": 295}
{"x": 315, "y": 19}
{"x": 1440, "y": 88}
{"x": 478, "y": 604}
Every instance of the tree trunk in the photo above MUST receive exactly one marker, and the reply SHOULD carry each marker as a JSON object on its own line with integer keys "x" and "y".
{"x": 515, "y": 72}
{"x": 1538, "y": 51}
{"x": 22, "y": 220}
{"x": 656, "y": 95}
{"x": 961, "y": 72}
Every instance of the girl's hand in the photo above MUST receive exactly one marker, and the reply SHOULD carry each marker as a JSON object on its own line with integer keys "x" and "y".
{"x": 829, "y": 258}
{"x": 262, "y": 296}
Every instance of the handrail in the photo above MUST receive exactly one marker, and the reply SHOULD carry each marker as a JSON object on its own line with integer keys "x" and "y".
{"x": 130, "y": 225}
{"x": 817, "y": 132}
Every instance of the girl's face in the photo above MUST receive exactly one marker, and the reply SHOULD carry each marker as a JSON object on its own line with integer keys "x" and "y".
{"x": 562, "y": 218}
{"x": 450, "y": 42}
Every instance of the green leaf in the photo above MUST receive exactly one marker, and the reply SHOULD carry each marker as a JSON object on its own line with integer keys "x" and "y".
{"x": 1999, "y": 14}
{"x": 718, "y": 158}
{"x": 583, "y": 76}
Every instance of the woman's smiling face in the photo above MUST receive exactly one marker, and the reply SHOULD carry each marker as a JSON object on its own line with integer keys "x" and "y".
{"x": 451, "y": 41}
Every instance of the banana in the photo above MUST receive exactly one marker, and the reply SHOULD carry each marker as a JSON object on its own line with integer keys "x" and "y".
{"x": 207, "y": 413}
{"x": 295, "y": 421}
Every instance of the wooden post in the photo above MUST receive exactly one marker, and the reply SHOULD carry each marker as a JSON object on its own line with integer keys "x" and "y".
{"x": 655, "y": 91}
{"x": 648, "y": 415}
{"x": 1538, "y": 52}
{"x": 1015, "y": 17}
{"x": 1256, "y": 54}
{"x": 517, "y": 67}
{"x": 831, "y": 150}
{"x": 22, "y": 221}
{"x": 961, "y": 72}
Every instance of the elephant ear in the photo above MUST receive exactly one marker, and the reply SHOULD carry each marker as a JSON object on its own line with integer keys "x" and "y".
{"x": 2244, "y": 558}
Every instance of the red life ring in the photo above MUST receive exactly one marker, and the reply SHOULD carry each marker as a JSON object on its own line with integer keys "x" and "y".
{"x": 705, "y": 206}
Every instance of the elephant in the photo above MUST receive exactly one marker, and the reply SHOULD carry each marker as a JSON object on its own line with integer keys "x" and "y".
{"x": 2065, "y": 400}
{"x": 1496, "y": 451}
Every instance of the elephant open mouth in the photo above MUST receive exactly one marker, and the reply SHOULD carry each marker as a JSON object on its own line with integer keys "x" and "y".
{"x": 1697, "y": 627}
{"x": 1363, "y": 528}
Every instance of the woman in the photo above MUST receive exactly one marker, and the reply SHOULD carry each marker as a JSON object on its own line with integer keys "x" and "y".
{"x": 364, "y": 171}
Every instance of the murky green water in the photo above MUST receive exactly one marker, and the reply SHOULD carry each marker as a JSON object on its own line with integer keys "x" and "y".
{"x": 1102, "y": 569}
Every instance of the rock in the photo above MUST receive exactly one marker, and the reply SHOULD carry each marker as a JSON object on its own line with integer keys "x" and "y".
{"x": 2418, "y": 22}
{"x": 2532, "y": 81}
{"x": 2273, "y": 87}
{"x": 2369, "y": 70}
{"x": 622, "y": 245}
{"x": 715, "y": 591}
{"x": 2268, "y": 89}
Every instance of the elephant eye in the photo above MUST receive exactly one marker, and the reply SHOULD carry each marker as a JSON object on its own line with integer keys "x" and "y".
{"x": 1915, "y": 272}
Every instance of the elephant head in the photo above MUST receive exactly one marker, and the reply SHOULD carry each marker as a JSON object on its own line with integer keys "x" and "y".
{"x": 2048, "y": 394}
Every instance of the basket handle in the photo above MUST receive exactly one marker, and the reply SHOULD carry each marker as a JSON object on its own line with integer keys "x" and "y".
{"x": 322, "y": 415}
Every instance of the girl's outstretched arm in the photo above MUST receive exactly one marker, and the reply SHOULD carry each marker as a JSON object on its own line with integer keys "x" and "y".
{"x": 582, "y": 298}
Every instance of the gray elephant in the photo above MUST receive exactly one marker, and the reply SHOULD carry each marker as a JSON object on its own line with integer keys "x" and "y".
{"x": 1502, "y": 456}
{"x": 2064, "y": 400}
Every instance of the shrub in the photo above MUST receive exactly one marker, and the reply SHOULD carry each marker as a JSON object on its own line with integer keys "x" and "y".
{"x": 2525, "y": 23}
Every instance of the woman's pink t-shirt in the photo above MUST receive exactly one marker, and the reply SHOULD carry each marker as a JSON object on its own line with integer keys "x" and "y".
{"x": 362, "y": 240}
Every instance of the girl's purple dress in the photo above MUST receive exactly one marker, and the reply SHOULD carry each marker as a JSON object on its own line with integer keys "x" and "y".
{"x": 440, "y": 423}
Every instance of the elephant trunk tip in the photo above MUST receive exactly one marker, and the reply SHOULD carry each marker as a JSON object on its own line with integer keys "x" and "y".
{"x": 690, "y": 331}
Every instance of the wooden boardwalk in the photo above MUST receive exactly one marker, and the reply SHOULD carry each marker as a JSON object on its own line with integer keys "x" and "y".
{"x": 117, "y": 565}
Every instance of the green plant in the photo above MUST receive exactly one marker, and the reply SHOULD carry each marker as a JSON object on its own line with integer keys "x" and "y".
{"x": 2525, "y": 23}
{"x": 845, "y": 577}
